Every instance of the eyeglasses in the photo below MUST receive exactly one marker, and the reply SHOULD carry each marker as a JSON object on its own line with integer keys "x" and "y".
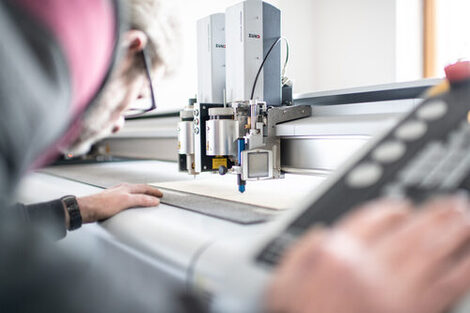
{"x": 137, "y": 109}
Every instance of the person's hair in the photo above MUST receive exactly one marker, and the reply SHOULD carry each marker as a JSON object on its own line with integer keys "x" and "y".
{"x": 159, "y": 19}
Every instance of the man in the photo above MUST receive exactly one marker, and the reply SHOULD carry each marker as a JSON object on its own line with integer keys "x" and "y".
{"x": 68, "y": 71}
{"x": 157, "y": 35}
{"x": 57, "y": 62}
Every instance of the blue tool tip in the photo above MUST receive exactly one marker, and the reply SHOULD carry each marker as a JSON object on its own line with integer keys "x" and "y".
{"x": 241, "y": 188}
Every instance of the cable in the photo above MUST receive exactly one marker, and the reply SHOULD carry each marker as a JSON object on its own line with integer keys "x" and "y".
{"x": 284, "y": 68}
{"x": 264, "y": 61}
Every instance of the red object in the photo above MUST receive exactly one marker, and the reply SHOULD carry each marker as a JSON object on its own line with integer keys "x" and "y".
{"x": 458, "y": 72}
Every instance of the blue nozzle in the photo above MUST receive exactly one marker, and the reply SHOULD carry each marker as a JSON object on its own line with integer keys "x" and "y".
{"x": 241, "y": 188}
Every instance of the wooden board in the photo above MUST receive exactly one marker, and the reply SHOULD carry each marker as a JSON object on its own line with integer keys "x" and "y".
{"x": 278, "y": 194}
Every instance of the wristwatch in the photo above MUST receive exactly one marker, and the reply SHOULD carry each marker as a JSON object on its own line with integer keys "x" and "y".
{"x": 71, "y": 205}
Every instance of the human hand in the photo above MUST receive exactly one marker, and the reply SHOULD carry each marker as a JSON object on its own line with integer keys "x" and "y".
{"x": 387, "y": 257}
{"x": 116, "y": 199}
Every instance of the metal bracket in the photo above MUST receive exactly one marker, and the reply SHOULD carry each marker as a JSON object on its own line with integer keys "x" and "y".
{"x": 277, "y": 115}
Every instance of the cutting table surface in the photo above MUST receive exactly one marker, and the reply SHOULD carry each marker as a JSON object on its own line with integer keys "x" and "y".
{"x": 170, "y": 236}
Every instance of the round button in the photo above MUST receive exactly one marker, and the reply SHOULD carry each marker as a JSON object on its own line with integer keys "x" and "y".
{"x": 365, "y": 175}
{"x": 411, "y": 130}
{"x": 433, "y": 110}
{"x": 389, "y": 152}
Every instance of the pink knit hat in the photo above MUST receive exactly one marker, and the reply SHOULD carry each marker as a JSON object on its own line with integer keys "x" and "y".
{"x": 86, "y": 30}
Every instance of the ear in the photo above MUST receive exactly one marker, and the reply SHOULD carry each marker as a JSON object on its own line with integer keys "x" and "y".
{"x": 134, "y": 41}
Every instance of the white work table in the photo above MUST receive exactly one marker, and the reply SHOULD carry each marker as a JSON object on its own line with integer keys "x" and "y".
{"x": 168, "y": 238}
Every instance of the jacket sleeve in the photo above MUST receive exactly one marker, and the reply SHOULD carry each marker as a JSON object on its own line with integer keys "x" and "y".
{"x": 49, "y": 216}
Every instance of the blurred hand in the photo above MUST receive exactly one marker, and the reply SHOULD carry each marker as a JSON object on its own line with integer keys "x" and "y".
{"x": 116, "y": 199}
{"x": 387, "y": 257}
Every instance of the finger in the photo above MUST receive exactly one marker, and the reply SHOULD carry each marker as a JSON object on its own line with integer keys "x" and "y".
{"x": 453, "y": 286}
{"x": 301, "y": 256}
{"x": 372, "y": 210}
{"x": 376, "y": 220}
{"x": 444, "y": 207}
{"x": 139, "y": 200}
{"x": 442, "y": 218}
{"x": 431, "y": 216}
{"x": 121, "y": 185}
{"x": 420, "y": 236}
{"x": 145, "y": 189}
{"x": 296, "y": 261}
{"x": 453, "y": 239}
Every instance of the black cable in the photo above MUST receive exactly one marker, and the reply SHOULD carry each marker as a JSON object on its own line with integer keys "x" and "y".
{"x": 262, "y": 65}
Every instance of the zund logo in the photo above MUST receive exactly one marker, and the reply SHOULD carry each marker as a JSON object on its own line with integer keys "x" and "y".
{"x": 256, "y": 36}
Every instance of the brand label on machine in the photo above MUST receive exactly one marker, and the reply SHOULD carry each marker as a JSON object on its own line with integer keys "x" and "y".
{"x": 256, "y": 36}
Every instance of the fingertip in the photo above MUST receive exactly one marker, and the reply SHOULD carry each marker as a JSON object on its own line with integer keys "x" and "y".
{"x": 447, "y": 205}
{"x": 146, "y": 201}
{"x": 157, "y": 192}
{"x": 309, "y": 243}
{"x": 153, "y": 201}
{"x": 375, "y": 211}
{"x": 147, "y": 189}
{"x": 154, "y": 192}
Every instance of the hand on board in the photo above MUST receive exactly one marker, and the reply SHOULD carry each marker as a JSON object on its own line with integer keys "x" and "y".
{"x": 116, "y": 199}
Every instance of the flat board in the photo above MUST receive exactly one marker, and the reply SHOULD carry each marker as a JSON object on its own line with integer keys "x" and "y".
{"x": 280, "y": 194}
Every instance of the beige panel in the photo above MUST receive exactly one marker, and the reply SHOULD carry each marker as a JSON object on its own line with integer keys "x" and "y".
{"x": 275, "y": 194}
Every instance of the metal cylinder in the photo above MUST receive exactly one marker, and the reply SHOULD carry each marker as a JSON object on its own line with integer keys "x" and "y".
{"x": 185, "y": 138}
{"x": 185, "y": 132}
{"x": 221, "y": 132}
{"x": 253, "y": 113}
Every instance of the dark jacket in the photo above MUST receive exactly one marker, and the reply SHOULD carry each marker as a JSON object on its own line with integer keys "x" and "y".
{"x": 55, "y": 58}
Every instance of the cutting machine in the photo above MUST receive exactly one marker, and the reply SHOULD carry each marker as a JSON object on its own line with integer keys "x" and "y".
{"x": 238, "y": 135}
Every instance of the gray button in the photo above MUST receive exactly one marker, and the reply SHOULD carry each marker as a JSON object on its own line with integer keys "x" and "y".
{"x": 411, "y": 130}
{"x": 364, "y": 175}
{"x": 394, "y": 191}
{"x": 433, "y": 110}
{"x": 389, "y": 152}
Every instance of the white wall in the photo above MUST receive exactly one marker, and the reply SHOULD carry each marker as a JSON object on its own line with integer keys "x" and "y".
{"x": 409, "y": 40}
{"x": 347, "y": 43}
{"x": 174, "y": 92}
{"x": 353, "y": 44}
{"x": 452, "y": 33}
{"x": 334, "y": 44}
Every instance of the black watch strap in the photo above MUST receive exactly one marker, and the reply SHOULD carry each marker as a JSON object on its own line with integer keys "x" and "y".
{"x": 71, "y": 205}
